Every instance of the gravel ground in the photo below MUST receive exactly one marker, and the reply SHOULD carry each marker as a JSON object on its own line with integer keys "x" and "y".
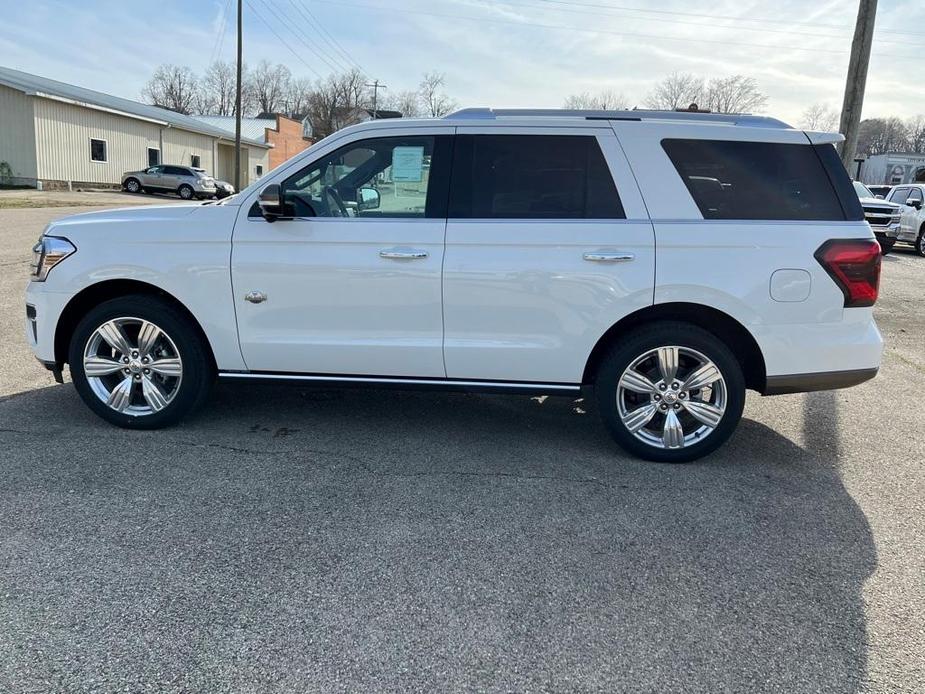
{"x": 346, "y": 540}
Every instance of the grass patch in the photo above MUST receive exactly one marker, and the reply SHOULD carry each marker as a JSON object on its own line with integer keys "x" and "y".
{"x": 22, "y": 203}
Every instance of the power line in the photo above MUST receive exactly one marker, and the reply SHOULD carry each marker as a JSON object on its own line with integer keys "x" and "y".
{"x": 301, "y": 37}
{"x": 615, "y": 11}
{"x": 559, "y": 27}
{"x": 220, "y": 36}
{"x": 281, "y": 39}
{"x": 725, "y": 17}
{"x": 326, "y": 35}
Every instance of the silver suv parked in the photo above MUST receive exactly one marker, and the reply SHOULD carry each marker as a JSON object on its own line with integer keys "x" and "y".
{"x": 185, "y": 181}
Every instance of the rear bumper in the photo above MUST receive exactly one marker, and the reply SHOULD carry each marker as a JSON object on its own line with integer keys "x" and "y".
{"x": 805, "y": 383}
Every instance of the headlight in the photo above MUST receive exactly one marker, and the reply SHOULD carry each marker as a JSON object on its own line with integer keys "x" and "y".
{"x": 48, "y": 252}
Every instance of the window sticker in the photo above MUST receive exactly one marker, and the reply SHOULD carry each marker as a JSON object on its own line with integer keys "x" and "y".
{"x": 407, "y": 164}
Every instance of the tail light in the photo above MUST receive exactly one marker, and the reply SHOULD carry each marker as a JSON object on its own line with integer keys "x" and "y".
{"x": 854, "y": 264}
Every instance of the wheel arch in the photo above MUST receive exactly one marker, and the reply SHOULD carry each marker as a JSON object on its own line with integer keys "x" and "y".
{"x": 97, "y": 293}
{"x": 722, "y": 325}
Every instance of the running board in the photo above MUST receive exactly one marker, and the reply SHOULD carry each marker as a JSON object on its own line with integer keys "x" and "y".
{"x": 409, "y": 383}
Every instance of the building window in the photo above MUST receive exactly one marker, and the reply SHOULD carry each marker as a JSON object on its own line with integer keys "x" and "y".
{"x": 97, "y": 150}
{"x": 154, "y": 156}
{"x": 259, "y": 171}
{"x": 194, "y": 161}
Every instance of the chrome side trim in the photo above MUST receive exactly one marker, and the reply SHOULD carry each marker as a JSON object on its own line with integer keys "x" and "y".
{"x": 402, "y": 381}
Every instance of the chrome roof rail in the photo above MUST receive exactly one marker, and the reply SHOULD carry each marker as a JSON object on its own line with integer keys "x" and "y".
{"x": 744, "y": 119}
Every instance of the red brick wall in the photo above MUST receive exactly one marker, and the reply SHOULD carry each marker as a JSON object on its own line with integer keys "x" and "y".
{"x": 287, "y": 142}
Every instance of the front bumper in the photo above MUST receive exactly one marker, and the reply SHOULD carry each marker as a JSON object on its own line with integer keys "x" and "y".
{"x": 891, "y": 231}
{"x": 43, "y": 308}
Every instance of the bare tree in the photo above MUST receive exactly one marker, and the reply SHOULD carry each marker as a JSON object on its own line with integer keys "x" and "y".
{"x": 217, "y": 90}
{"x": 269, "y": 85}
{"x": 336, "y": 102}
{"x": 297, "y": 97}
{"x": 407, "y": 103}
{"x": 436, "y": 102}
{"x": 677, "y": 90}
{"x": 733, "y": 94}
{"x": 915, "y": 128}
{"x": 606, "y": 100}
{"x": 882, "y": 135}
{"x": 172, "y": 87}
{"x": 821, "y": 118}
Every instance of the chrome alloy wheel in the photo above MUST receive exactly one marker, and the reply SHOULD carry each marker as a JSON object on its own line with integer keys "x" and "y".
{"x": 133, "y": 366}
{"x": 671, "y": 397}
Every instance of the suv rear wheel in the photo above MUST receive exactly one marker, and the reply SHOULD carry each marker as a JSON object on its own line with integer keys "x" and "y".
{"x": 138, "y": 363}
{"x": 132, "y": 185}
{"x": 670, "y": 392}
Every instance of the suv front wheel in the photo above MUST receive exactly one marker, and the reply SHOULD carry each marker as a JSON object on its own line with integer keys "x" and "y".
{"x": 670, "y": 392}
{"x": 139, "y": 363}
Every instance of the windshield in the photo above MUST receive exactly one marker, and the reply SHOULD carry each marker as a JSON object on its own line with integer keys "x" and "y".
{"x": 862, "y": 190}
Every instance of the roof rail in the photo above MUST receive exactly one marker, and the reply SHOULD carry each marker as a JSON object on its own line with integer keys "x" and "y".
{"x": 745, "y": 119}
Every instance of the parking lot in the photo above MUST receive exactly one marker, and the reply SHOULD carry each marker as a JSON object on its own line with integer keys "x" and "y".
{"x": 346, "y": 540}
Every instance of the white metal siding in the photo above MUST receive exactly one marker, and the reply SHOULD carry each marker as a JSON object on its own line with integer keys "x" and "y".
{"x": 180, "y": 145}
{"x": 17, "y": 132}
{"x": 63, "y": 132}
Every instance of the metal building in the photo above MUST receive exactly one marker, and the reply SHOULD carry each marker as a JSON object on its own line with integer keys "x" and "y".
{"x": 57, "y": 135}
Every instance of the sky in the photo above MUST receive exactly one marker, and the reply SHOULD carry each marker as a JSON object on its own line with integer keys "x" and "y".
{"x": 501, "y": 53}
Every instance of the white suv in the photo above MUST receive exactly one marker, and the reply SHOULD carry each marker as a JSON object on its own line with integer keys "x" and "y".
{"x": 667, "y": 260}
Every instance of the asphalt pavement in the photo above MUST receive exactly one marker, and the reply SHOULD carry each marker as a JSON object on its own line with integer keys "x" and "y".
{"x": 288, "y": 539}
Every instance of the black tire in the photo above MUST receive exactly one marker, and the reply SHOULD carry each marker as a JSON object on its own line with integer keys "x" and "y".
{"x": 920, "y": 242}
{"x": 133, "y": 185}
{"x": 886, "y": 245}
{"x": 185, "y": 192}
{"x": 198, "y": 372}
{"x": 642, "y": 340}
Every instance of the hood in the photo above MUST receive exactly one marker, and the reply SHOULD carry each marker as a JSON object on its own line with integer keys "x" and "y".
{"x": 879, "y": 202}
{"x": 147, "y": 213}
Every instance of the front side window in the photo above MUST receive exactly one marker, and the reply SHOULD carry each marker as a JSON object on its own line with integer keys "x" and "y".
{"x": 382, "y": 177}
{"x": 764, "y": 180}
{"x": 900, "y": 195}
{"x": 97, "y": 150}
{"x": 914, "y": 194}
{"x": 532, "y": 177}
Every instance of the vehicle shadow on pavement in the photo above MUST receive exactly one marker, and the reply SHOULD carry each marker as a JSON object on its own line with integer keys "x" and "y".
{"x": 373, "y": 540}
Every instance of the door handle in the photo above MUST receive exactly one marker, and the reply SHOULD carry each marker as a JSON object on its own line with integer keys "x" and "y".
{"x": 609, "y": 256}
{"x": 255, "y": 297}
{"x": 395, "y": 253}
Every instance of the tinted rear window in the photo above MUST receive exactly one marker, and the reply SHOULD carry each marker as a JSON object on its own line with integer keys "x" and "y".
{"x": 764, "y": 180}
{"x": 532, "y": 177}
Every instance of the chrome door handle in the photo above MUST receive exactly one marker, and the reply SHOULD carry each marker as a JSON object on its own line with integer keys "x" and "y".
{"x": 255, "y": 297}
{"x": 609, "y": 256}
{"x": 395, "y": 253}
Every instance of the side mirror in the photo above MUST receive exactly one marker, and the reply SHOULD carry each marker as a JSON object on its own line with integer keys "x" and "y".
{"x": 879, "y": 197}
{"x": 271, "y": 206}
{"x": 368, "y": 199}
{"x": 913, "y": 202}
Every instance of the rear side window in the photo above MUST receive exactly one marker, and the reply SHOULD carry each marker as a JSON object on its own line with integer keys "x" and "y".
{"x": 764, "y": 180}
{"x": 532, "y": 177}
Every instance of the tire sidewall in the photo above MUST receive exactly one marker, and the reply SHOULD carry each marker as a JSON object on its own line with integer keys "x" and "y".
{"x": 658, "y": 335}
{"x": 920, "y": 243}
{"x": 182, "y": 188}
{"x": 197, "y": 372}
{"x": 130, "y": 182}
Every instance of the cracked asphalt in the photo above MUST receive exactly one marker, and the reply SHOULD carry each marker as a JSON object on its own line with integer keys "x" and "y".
{"x": 358, "y": 541}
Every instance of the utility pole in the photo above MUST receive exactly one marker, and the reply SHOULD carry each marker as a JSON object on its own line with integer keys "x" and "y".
{"x": 237, "y": 105}
{"x": 376, "y": 87}
{"x": 857, "y": 80}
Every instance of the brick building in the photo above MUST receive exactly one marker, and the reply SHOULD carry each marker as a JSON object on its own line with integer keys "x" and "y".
{"x": 284, "y": 135}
